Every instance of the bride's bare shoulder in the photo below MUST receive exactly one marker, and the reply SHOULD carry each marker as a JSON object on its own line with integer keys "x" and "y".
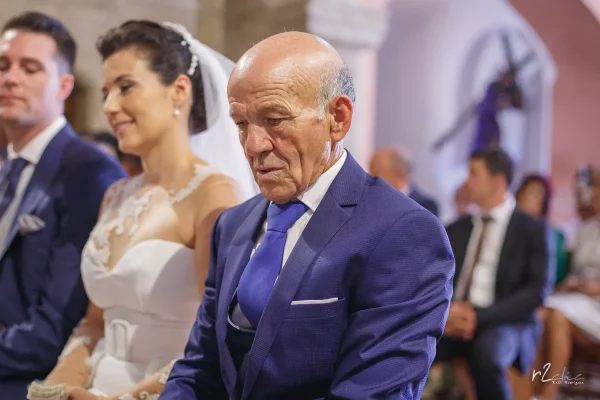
{"x": 218, "y": 190}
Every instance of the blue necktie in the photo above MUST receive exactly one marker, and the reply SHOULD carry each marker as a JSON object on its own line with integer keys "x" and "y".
{"x": 262, "y": 270}
{"x": 13, "y": 168}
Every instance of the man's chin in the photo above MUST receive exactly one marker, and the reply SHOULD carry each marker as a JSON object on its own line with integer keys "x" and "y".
{"x": 276, "y": 194}
{"x": 10, "y": 115}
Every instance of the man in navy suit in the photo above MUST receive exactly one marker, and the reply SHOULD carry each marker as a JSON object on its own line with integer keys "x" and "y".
{"x": 50, "y": 194}
{"x": 394, "y": 166}
{"x": 330, "y": 284}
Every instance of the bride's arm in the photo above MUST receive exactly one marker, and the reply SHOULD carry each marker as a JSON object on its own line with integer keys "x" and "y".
{"x": 71, "y": 368}
{"x": 217, "y": 196}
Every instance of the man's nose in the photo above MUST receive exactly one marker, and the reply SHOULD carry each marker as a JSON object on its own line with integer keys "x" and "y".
{"x": 257, "y": 141}
{"x": 10, "y": 77}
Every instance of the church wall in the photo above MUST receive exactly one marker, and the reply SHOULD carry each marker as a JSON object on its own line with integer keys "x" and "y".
{"x": 572, "y": 36}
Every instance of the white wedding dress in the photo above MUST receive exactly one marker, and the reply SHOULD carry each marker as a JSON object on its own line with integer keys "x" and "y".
{"x": 149, "y": 297}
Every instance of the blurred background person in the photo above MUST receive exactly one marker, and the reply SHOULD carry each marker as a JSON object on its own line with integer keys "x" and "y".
{"x": 573, "y": 317}
{"x": 534, "y": 197}
{"x": 501, "y": 280}
{"x": 110, "y": 144}
{"x": 394, "y": 165}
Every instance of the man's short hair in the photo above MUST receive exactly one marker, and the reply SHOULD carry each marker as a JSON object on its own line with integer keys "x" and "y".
{"x": 41, "y": 23}
{"x": 335, "y": 81}
{"x": 497, "y": 162}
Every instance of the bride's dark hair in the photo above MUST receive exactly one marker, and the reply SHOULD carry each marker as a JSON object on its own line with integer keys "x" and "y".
{"x": 166, "y": 56}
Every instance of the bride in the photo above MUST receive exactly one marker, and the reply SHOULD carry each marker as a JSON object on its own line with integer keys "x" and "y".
{"x": 146, "y": 260}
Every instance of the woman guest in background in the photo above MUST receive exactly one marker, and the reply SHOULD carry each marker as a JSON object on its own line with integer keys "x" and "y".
{"x": 534, "y": 197}
{"x": 145, "y": 262}
{"x": 573, "y": 316}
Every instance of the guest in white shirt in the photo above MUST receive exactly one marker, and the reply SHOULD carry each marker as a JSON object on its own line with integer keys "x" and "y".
{"x": 501, "y": 279}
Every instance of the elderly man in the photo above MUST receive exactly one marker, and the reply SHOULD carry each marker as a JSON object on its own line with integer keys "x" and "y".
{"x": 330, "y": 284}
{"x": 395, "y": 166}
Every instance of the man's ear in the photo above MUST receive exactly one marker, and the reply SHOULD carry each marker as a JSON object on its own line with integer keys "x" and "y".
{"x": 67, "y": 83}
{"x": 340, "y": 114}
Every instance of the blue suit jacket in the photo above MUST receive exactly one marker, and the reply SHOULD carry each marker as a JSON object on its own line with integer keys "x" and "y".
{"x": 386, "y": 259}
{"x": 41, "y": 293}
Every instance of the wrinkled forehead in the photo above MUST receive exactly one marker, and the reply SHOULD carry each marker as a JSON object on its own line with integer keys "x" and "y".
{"x": 285, "y": 80}
{"x": 20, "y": 44}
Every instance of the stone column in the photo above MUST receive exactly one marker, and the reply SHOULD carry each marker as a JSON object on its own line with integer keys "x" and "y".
{"x": 247, "y": 22}
{"x": 355, "y": 28}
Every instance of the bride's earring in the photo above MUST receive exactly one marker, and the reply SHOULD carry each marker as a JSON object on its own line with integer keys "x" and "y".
{"x": 176, "y": 112}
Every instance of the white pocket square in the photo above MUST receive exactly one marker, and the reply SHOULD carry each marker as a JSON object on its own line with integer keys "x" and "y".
{"x": 324, "y": 301}
{"x": 30, "y": 223}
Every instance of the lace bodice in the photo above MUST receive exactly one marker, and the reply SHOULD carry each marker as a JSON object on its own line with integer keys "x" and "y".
{"x": 149, "y": 295}
{"x": 123, "y": 208}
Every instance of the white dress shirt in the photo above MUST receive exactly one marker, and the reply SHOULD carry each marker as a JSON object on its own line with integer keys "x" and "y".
{"x": 31, "y": 152}
{"x": 482, "y": 292}
{"x": 312, "y": 197}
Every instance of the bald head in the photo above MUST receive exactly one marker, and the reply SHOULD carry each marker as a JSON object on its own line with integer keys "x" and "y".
{"x": 393, "y": 165}
{"x": 291, "y": 97}
{"x": 320, "y": 68}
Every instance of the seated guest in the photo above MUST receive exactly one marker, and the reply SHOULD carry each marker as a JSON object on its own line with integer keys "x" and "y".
{"x": 51, "y": 188}
{"x": 582, "y": 190}
{"x": 109, "y": 143}
{"x": 533, "y": 197}
{"x": 395, "y": 167}
{"x": 574, "y": 314}
{"x": 501, "y": 279}
{"x": 331, "y": 284}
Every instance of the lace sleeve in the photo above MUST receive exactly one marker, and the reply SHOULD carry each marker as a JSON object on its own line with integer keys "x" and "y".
{"x": 150, "y": 388}
{"x": 71, "y": 368}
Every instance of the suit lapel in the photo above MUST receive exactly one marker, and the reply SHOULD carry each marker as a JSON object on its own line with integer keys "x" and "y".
{"x": 460, "y": 250}
{"x": 327, "y": 220}
{"x": 42, "y": 178}
{"x": 237, "y": 257}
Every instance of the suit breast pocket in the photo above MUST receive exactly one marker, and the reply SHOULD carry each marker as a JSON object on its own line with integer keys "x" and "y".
{"x": 309, "y": 340}
{"x": 316, "y": 309}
